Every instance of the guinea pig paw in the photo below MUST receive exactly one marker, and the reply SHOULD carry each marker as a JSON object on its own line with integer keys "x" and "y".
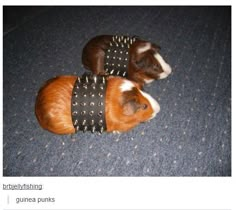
{"x": 116, "y": 132}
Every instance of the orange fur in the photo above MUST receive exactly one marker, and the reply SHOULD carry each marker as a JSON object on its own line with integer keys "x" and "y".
{"x": 53, "y": 106}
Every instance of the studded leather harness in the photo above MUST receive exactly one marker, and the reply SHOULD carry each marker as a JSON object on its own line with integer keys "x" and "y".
{"x": 117, "y": 55}
{"x": 88, "y": 103}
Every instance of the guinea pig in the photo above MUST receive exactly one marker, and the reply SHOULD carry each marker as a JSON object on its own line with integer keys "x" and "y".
{"x": 131, "y": 57}
{"x": 67, "y": 104}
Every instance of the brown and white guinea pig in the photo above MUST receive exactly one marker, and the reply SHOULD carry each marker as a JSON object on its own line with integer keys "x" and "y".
{"x": 125, "y": 105}
{"x": 130, "y": 57}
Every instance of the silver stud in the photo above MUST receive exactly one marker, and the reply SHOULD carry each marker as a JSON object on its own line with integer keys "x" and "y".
{"x": 92, "y": 104}
{"x": 107, "y": 56}
{"x": 126, "y": 59}
{"x": 100, "y": 95}
{"x": 85, "y": 128}
{"x": 113, "y": 64}
{"x": 115, "y": 51}
{"x": 77, "y": 87}
{"x": 93, "y": 129}
{"x": 91, "y": 113}
{"x": 78, "y": 79}
{"x": 122, "y": 45}
{"x": 121, "y": 52}
{"x": 131, "y": 41}
{"x": 85, "y": 86}
{"x": 118, "y": 72}
{"x": 124, "y": 74}
{"x": 108, "y": 50}
{"x": 125, "y": 66}
{"x": 101, "y": 86}
{"x": 100, "y": 104}
{"x": 83, "y": 112}
{"x": 127, "y": 38}
{"x": 118, "y": 64}
{"x": 100, "y": 122}
{"x": 84, "y": 122}
{"x": 100, "y": 114}
{"x": 74, "y": 103}
{"x": 125, "y": 41}
{"x": 113, "y": 38}
{"x": 87, "y": 80}
{"x": 116, "y": 36}
{"x": 128, "y": 46}
{"x": 127, "y": 53}
{"x": 119, "y": 39}
{"x": 93, "y": 86}
{"x": 92, "y": 122}
{"x": 74, "y": 113}
{"x": 103, "y": 80}
{"x": 110, "y": 44}
{"x": 83, "y": 104}
{"x": 75, "y": 94}
{"x": 114, "y": 57}
{"x": 84, "y": 95}
{"x": 92, "y": 94}
{"x": 120, "y": 58}
{"x": 112, "y": 71}
{"x": 77, "y": 128}
{"x": 76, "y": 122}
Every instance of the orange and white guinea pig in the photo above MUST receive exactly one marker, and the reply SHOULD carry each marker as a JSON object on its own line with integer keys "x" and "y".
{"x": 125, "y": 105}
{"x": 130, "y": 57}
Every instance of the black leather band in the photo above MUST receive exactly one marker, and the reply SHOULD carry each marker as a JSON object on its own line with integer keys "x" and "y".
{"x": 88, "y": 103}
{"x": 117, "y": 55}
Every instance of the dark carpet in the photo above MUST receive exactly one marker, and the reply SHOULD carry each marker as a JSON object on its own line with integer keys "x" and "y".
{"x": 191, "y": 136}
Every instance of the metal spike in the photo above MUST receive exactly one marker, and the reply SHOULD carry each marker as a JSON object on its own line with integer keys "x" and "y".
{"x": 118, "y": 72}
{"x": 93, "y": 129}
{"x": 92, "y": 122}
{"x": 87, "y": 80}
{"x": 125, "y": 41}
{"x": 117, "y": 45}
{"x": 76, "y": 122}
{"x": 84, "y": 122}
{"x": 127, "y": 38}
{"x": 119, "y": 39}
{"x": 77, "y": 128}
{"x": 100, "y": 95}
{"x": 125, "y": 66}
{"x": 127, "y": 53}
{"x": 77, "y": 87}
{"x": 101, "y": 130}
{"x": 95, "y": 78}
{"x": 122, "y": 37}
{"x": 111, "y": 44}
{"x": 128, "y": 46}
{"x": 122, "y": 45}
{"x": 131, "y": 41}
{"x": 113, "y": 38}
{"x": 124, "y": 74}
{"x": 103, "y": 80}
{"x": 78, "y": 79}
{"x": 112, "y": 71}
{"x": 85, "y": 128}
{"x": 116, "y": 36}
{"x": 91, "y": 113}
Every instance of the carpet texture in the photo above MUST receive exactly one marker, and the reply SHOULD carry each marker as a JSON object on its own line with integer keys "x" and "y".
{"x": 191, "y": 136}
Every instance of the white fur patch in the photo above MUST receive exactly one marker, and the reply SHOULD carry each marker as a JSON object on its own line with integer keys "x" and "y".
{"x": 144, "y": 48}
{"x": 147, "y": 81}
{"x": 165, "y": 66}
{"x": 126, "y": 85}
{"x": 153, "y": 102}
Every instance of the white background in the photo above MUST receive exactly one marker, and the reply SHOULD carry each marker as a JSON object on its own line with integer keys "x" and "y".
{"x": 124, "y": 192}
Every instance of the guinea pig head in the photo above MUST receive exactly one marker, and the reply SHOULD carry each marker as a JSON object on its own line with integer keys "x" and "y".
{"x": 146, "y": 63}
{"x": 127, "y": 105}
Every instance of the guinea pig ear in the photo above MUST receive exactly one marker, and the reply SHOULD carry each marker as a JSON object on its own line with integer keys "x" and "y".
{"x": 156, "y": 47}
{"x": 130, "y": 102}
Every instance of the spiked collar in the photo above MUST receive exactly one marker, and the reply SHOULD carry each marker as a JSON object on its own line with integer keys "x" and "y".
{"x": 117, "y": 55}
{"x": 88, "y": 103}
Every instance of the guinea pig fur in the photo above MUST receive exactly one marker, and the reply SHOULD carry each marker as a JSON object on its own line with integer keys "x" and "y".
{"x": 145, "y": 64}
{"x": 125, "y": 105}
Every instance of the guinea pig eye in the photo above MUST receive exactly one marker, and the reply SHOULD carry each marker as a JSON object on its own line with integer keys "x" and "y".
{"x": 144, "y": 106}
